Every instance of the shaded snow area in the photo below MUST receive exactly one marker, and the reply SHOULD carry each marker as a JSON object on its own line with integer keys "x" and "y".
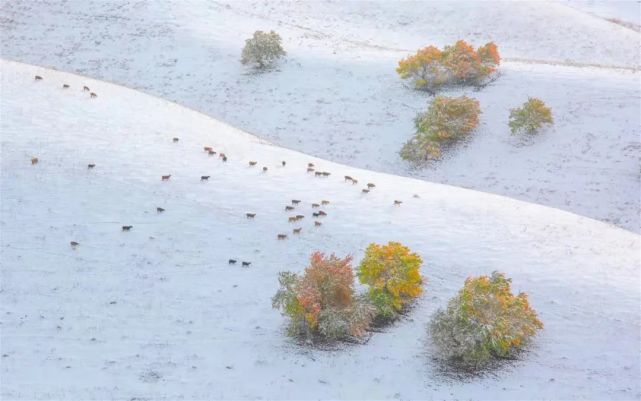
{"x": 337, "y": 95}
{"x": 158, "y": 313}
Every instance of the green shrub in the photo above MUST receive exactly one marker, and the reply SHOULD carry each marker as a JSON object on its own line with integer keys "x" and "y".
{"x": 321, "y": 303}
{"x": 484, "y": 321}
{"x": 530, "y": 117}
{"x": 447, "y": 120}
{"x": 262, "y": 49}
{"x": 392, "y": 273}
{"x": 430, "y": 67}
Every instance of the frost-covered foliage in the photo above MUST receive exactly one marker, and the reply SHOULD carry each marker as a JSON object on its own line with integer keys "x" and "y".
{"x": 392, "y": 273}
{"x": 484, "y": 321}
{"x": 262, "y": 49}
{"x": 445, "y": 121}
{"x": 322, "y": 302}
{"x": 431, "y": 67}
{"x": 530, "y": 117}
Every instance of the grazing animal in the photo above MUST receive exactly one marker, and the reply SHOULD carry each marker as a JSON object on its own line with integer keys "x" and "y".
{"x": 34, "y": 160}
{"x": 416, "y": 196}
{"x": 292, "y": 219}
{"x": 252, "y": 163}
{"x": 204, "y": 177}
{"x": 297, "y": 230}
{"x": 211, "y": 152}
{"x": 160, "y": 210}
{"x": 321, "y": 213}
{"x": 86, "y": 88}
{"x": 207, "y": 148}
{"x": 284, "y": 163}
{"x": 282, "y": 236}
{"x": 265, "y": 168}
{"x": 348, "y": 178}
{"x": 288, "y": 208}
{"x": 65, "y": 86}
{"x": 398, "y": 202}
{"x": 310, "y": 164}
{"x": 314, "y": 205}
{"x": 318, "y": 223}
{"x": 250, "y": 215}
{"x": 324, "y": 202}
{"x": 295, "y": 201}
{"x": 176, "y": 139}
{"x": 246, "y": 264}
{"x": 38, "y": 78}
{"x": 222, "y": 155}
{"x": 224, "y": 158}
{"x": 310, "y": 170}
{"x": 365, "y": 190}
{"x": 74, "y": 244}
{"x": 354, "y": 182}
{"x": 232, "y": 261}
{"x": 126, "y": 228}
{"x": 315, "y": 214}
{"x": 370, "y": 185}
{"x": 166, "y": 177}
{"x": 299, "y": 217}
{"x": 326, "y": 174}
{"x": 91, "y": 165}
{"x": 93, "y": 95}
{"x": 318, "y": 174}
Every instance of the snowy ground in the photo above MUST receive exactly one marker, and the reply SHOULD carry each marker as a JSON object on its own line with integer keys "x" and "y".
{"x": 157, "y": 313}
{"x": 337, "y": 95}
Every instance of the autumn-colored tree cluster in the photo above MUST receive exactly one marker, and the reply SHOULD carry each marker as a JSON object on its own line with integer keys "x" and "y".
{"x": 530, "y": 117}
{"x": 485, "y": 320}
{"x": 446, "y": 120}
{"x": 460, "y": 63}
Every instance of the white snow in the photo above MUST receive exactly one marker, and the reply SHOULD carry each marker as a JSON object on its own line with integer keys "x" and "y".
{"x": 157, "y": 313}
{"x": 337, "y": 95}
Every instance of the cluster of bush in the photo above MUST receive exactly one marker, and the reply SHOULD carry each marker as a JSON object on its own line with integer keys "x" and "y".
{"x": 431, "y": 68}
{"x": 484, "y": 321}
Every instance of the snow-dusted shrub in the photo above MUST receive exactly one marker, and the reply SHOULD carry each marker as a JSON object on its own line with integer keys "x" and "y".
{"x": 262, "y": 49}
{"x": 484, "y": 321}
{"x": 392, "y": 273}
{"x": 431, "y": 67}
{"x": 321, "y": 302}
{"x": 530, "y": 117}
{"x": 445, "y": 121}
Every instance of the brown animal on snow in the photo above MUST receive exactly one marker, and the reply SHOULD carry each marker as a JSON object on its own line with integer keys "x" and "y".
{"x": 326, "y": 174}
{"x": 282, "y": 236}
{"x": 321, "y": 213}
{"x": 232, "y": 261}
{"x": 126, "y": 228}
{"x": 160, "y": 210}
{"x": 318, "y": 223}
{"x": 310, "y": 164}
{"x": 288, "y": 208}
{"x": 91, "y": 165}
{"x": 416, "y": 196}
{"x": 250, "y": 215}
{"x": 264, "y": 169}
{"x": 225, "y": 158}
{"x": 310, "y": 170}
{"x": 222, "y": 155}
{"x": 348, "y": 178}
{"x": 207, "y": 148}
{"x": 398, "y": 202}
{"x": 65, "y": 86}
{"x": 93, "y": 95}
{"x": 283, "y": 163}
{"x": 292, "y": 219}
{"x": 246, "y": 264}
{"x": 299, "y": 217}
{"x": 354, "y": 182}
{"x": 297, "y": 230}
{"x": 314, "y": 205}
{"x": 318, "y": 174}
{"x": 325, "y": 202}
{"x": 295, "y": 201}
{"x": 365, "y": 190}
{"x": 166, "y": 177}
{"x": 38, "y": 78}
{"x": 34, "y": 160}
{"x": 211, "y": 152}
{"x": 204, "y": 177}
{"x": 74, "y": 244}
{"x": 315, "y": 214}
{"x": 176, "y": 139}
{"x": 86, "y": 88}
{"x": 252, "y": 163}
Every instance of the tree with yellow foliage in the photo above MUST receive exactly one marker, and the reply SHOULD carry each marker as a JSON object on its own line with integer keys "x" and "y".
{"x": 392, "y": 273}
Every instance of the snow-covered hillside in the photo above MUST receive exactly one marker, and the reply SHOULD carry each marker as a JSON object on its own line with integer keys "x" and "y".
{"x": 158, "y": 313}
{"x": 337, "y": 95}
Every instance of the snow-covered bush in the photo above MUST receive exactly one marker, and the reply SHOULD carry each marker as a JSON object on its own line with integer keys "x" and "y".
{"x": 262, "y": 49}
{"x": 484, "y": 321}
{"x": 530, "y": 117}
{"x": 431, "y": 67}
{"x": 392, "y": 273}
{"x": 446, "y": 120}
{"x": 322, "y": 303}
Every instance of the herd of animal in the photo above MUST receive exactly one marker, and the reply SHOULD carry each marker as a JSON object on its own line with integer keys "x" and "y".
{"x": 311, "y": 168}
